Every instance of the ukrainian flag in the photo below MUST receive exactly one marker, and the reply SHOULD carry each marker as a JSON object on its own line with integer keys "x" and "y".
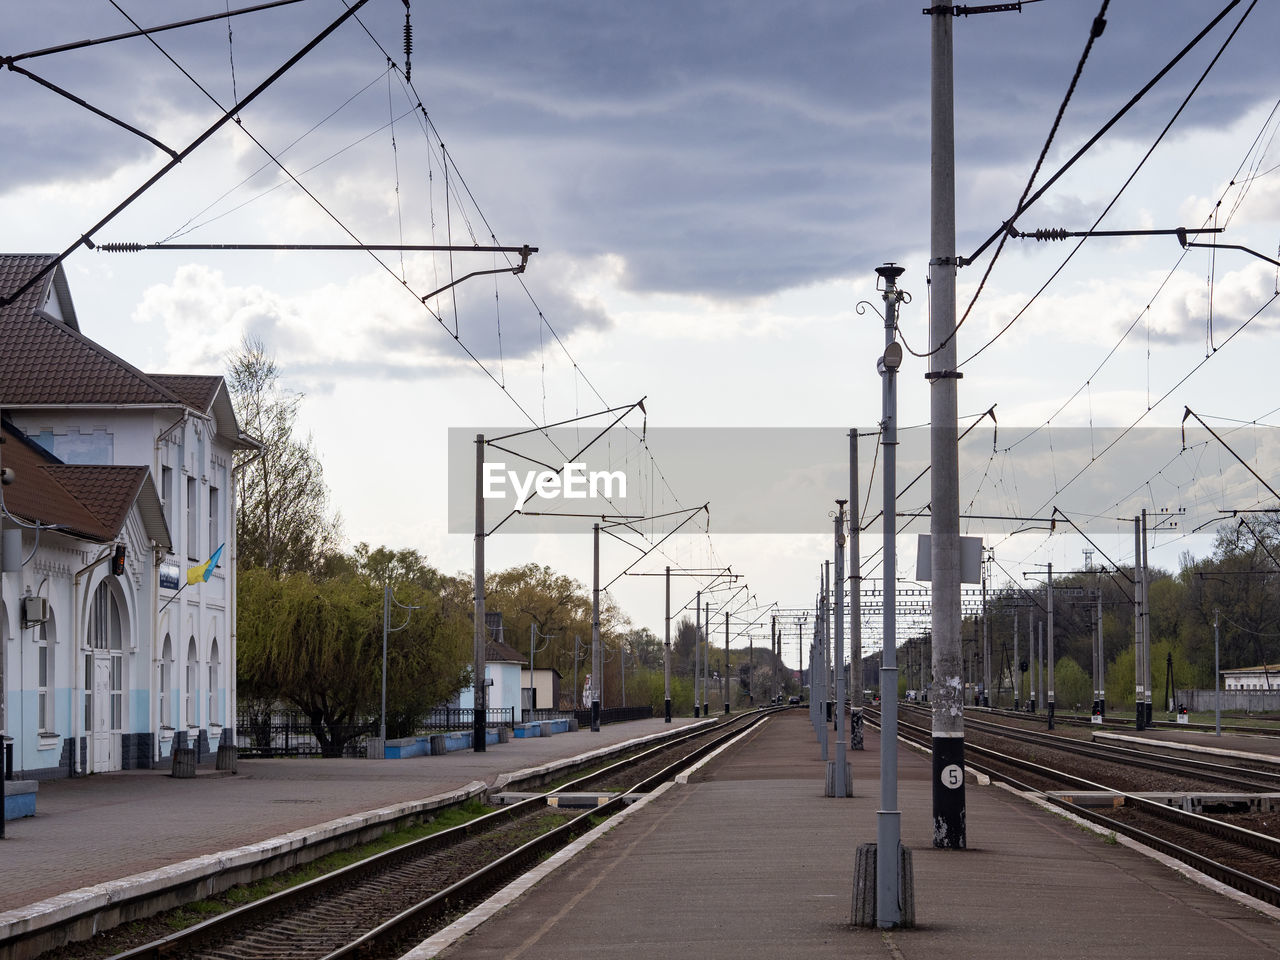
{"x": 202, "y": 573}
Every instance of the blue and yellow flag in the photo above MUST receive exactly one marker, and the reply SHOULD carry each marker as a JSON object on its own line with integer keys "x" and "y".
{"x": 202, "y": 573}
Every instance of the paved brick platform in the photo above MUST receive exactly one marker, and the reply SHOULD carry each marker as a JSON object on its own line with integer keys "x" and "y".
{"x": 751, "y": 860}
{"x": 104, "y": 827}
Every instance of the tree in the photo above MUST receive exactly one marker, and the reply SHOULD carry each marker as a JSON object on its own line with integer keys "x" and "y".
{"x": 282, "y": 518}
{"x": 317, "y": 644}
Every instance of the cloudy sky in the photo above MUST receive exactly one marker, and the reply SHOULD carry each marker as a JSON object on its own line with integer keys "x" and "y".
{"x": 710, "y": 186}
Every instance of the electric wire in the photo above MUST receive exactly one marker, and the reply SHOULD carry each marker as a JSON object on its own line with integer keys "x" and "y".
{"x": 1123, "y": 187}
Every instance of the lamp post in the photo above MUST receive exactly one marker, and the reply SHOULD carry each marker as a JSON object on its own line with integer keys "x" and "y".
{"x": 889, "y": 818}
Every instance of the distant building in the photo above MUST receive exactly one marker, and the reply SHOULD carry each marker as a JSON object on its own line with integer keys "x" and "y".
{"x": 544, "y": 686}
{"x": 503, "y": 667}
{"x": 122, "y": 482}
{"x": 1251, "y": 678}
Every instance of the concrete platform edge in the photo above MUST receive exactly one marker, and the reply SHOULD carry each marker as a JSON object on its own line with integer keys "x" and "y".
{"x": 1192, "y": 874}
{"x": 684, "y": 776}
{"x": 585, "y": 759}
{"x": 1187, "y": 747}
{"x": 451, "y": 934}
{"x": 75, "y": 904}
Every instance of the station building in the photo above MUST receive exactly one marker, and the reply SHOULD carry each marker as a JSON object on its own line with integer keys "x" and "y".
{"x": 117, "y": 633}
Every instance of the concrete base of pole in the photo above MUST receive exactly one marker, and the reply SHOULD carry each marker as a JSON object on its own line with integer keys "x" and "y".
{"x": 667, "y": 709}
{"x": 838, "y": 786}
{"x": 1049, "y": 711}
{"x": 595, "y": 716}
{"x": 949, "y": 830}
{"x": 697, "y": 711}
{"x": 726, "y": 709}
{"x": 986, "y": 702}
{"x": 855, "y": 731}
{"x": 864, "y": 888}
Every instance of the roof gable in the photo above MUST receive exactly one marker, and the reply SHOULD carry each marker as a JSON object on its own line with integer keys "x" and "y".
{"x": 46, "y": 361}
{"x": 90, "y": 501}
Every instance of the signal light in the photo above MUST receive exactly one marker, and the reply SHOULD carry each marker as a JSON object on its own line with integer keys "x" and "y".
{"x": 117, "y": 560}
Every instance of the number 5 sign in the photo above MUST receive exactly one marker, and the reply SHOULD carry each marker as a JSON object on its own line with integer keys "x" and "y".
{"x": 952, "y": 776}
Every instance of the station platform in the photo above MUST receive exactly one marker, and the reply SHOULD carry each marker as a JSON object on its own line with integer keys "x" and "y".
{"x": 750, "y": 859}
{"x": 116, "y": 831}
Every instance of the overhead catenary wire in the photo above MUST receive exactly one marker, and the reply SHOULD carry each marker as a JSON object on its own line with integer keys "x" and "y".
{"x": 1123, "y": 187}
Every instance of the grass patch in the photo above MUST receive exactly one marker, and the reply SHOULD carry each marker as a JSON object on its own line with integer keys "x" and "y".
{"x": 200, "y": 910}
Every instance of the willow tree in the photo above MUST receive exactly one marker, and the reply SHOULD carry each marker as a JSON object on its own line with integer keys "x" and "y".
{"x": 317, "y": 645}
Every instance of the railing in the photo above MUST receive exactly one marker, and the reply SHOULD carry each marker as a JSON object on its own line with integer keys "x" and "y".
{"x": 290, "y": 734}
{"x": 462, "y": 718}
{"x": 286, "y": 735}
{"x": 615, "y": 715}
{"x": 532, "y": 716}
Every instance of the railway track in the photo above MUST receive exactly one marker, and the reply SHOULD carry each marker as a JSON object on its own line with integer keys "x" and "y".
{"x": 1243, "y": 859}
{"x": 1121, "y": 724}
{"x": 381, "y": 906}
{"x": 1251, "y": 778}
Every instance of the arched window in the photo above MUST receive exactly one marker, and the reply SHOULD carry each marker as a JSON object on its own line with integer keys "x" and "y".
{"x": 215, "y": 713}
{"x": 104, "y": 619}
{"x": 166, "y": 680}
{"x": 193, "y": 661}
{"x": 105, "y": 634}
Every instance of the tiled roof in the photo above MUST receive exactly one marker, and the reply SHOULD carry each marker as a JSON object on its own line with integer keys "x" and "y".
{"x": 106, "y": 491}
{"x": 496, "y": 651}
{"x": 45, "y": 362}
{"x": 196, "y": 390}
{"x": 90, "y": 501}
{"x": 35, "y": 494}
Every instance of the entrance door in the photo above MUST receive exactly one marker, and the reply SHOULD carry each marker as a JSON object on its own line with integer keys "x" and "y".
{"x": 102, "y": 738}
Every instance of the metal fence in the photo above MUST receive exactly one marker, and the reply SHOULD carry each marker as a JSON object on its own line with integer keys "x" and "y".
{"x": 283, "y": 734}
{"x": 443, "y": 719}
{"x": 614, "y": 715}
{"x": 290, "y": 735}
{"x": 533, "y": 716}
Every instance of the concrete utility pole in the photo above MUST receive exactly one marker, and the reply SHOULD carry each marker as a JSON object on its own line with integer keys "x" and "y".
{"x": 1016, "y": 666}
{"x": 986, "y": 641}
{"x": 1146, "y": 620}
{"x": 724, "y": 677}
{"x": 838, "y": 780}
{"x": 1049, "y": 651}
{"x": 1101, "y": 705}
{"x": 666, "y": 653}
{"x": 1139, "y": 695}
{"x": 697, "y": 652}
{"x": 1033, "y": 641}
{"x": 944, "y": 451}
{"x": 773, "y": 649}
{"x": 855, "y": 597}
{"x": 597, "y": 663}
{"x": 1217, "y": 681}
{"x": 479, "y": 698}
{"x": 707, "y": 664}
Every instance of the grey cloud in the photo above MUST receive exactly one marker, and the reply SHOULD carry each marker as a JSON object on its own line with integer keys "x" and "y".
{"x": 726, "y": 148}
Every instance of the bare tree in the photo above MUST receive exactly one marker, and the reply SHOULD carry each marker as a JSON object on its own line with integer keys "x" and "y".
{"x": 283, "y": 523}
